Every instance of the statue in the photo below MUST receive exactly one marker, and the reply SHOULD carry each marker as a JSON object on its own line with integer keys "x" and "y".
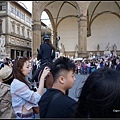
{"x": 90, "y": 55}
{"x": 62, "y": 50}
{"x": 76, "y": 51}
{"x": 107, "y": 51}
{"x": 114, "y": 49}
{"x": 98, "y": 50}
{"x": 57, "y": 41}
{"x": 98, "y": 47}
{"x": 107, "y": 48}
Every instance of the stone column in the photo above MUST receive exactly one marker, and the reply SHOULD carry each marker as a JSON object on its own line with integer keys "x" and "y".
{"x": 8, "y": 51}
{"x": 19, "y": 52}
{"x": 82, "y": 38}
{"x": 14, "y": 53}
{"x": 36, "y": 29}
{"x": 54, "y": 38}
{"x": 79, "y": 36}
{"x": 25, "y": 53}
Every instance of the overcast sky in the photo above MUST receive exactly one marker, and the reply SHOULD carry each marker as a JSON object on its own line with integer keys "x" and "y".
{"x": 28, "y": 4}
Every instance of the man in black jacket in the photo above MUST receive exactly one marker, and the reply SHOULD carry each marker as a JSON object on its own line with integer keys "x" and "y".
{"x": 54, "y": 103}
{"x": 47, "y": 51}
{"x": 118, "y": 64}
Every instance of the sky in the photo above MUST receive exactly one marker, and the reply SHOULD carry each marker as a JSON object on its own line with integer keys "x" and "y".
{"x": 28, "y": 4}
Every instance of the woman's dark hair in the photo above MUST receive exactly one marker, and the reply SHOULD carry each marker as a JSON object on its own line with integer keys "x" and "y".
{"x": 100, "y": 95}
{"x": 17, "y": 66}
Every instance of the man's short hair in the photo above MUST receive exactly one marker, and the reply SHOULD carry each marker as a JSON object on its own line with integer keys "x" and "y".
{"x": 62, "y": 64}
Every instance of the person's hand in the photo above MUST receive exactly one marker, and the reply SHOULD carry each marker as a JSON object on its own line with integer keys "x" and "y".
{"x": 45, "y": 72}
{"x": 42, "y": 79}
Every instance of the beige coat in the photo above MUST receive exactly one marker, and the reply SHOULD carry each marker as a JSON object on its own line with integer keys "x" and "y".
{"x": 6, "y": 110}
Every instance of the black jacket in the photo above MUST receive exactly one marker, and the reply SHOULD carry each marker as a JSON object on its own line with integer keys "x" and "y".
{"x": 118, "y": 67}
{"x": 62, "y": 107}
{"x": 46, "y": 53}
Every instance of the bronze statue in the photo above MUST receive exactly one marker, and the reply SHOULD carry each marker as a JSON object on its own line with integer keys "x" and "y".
{"x": 57, "y": 41}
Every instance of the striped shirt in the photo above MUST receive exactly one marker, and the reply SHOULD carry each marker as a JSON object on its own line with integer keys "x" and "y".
{"x": 23, "y": 96}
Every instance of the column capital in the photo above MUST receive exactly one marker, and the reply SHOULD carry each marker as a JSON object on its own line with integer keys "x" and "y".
{"x": 82, "y": 18}
{"x": 36, "y": 27}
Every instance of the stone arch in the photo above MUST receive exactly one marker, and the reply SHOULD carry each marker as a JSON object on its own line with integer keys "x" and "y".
{"x": 38, "y": 8}
{"x": 92, "y": 18}
{"x": 96, "y": 14}
{"x": 51, "y": 20}
{"x": 114, "y": 13}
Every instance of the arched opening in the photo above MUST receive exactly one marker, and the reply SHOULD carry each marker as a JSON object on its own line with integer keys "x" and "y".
{"x": 103, "y": 25}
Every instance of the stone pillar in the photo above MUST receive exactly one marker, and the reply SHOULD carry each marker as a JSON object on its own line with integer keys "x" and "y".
{"x": 25, "y": 53}
{"x": 82, "y": 36}
{"x": 36, "y": 29}
{"x": 36, "y": 41}
{"x": 79, "y": 36}
{"x": 19, "y": 52}
{"x": 54, "y": 38}
{"x": 14, "y": 53}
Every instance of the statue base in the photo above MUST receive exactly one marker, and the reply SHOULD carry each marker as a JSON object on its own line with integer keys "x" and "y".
{"x": 114, "y": 53}
{"x": 98, "y": 53}
{"x": 57, "y": 54}
{"x": 107, "y": 53}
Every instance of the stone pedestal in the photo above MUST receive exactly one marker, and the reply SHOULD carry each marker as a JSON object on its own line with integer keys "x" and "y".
{"x": 57, "y": 54}
{"x": 114, "y": 53}
{"x": 76, "y": 55}
{"x": 107, "y": 53}
{"x": 98, "y": 54}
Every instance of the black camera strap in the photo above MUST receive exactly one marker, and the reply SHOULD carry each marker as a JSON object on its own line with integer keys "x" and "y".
{"x": 55, "y": 96}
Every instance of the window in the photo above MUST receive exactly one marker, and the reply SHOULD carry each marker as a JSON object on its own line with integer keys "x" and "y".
{"x": 23, "y": 30}
{"x": 18, "y": 13}
{"x": 22, "y": 16}
{"x": 28, "y": 20}
{"x": 2, "y": 6}
{"x": 12, "y": 9}
{"x": 0, "y": 27}
{"x": 13, "y": 28}
{"x": 28, "y": 33}
{"x": 18, "y": 30}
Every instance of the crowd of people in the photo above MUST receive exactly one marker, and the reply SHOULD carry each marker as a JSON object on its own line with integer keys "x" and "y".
{"x": 87, "y": 66}
{"x": 99, "y": 97}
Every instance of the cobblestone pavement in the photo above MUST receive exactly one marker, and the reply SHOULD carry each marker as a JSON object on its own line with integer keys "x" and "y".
{"x": 75, "y": 90}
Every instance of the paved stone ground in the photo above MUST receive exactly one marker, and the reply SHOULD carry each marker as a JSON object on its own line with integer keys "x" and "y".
{"x": 76, "y": 89}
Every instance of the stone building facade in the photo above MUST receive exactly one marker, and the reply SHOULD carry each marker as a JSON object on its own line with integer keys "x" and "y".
{"x": 16, "y": 30}
{"x": 86, "y": 24}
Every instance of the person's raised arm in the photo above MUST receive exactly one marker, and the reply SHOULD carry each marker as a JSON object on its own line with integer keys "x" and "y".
{"x": 42, "y": 80}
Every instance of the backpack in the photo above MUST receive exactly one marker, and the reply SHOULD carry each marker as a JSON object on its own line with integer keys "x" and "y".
{"x": 6, "y": 110}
